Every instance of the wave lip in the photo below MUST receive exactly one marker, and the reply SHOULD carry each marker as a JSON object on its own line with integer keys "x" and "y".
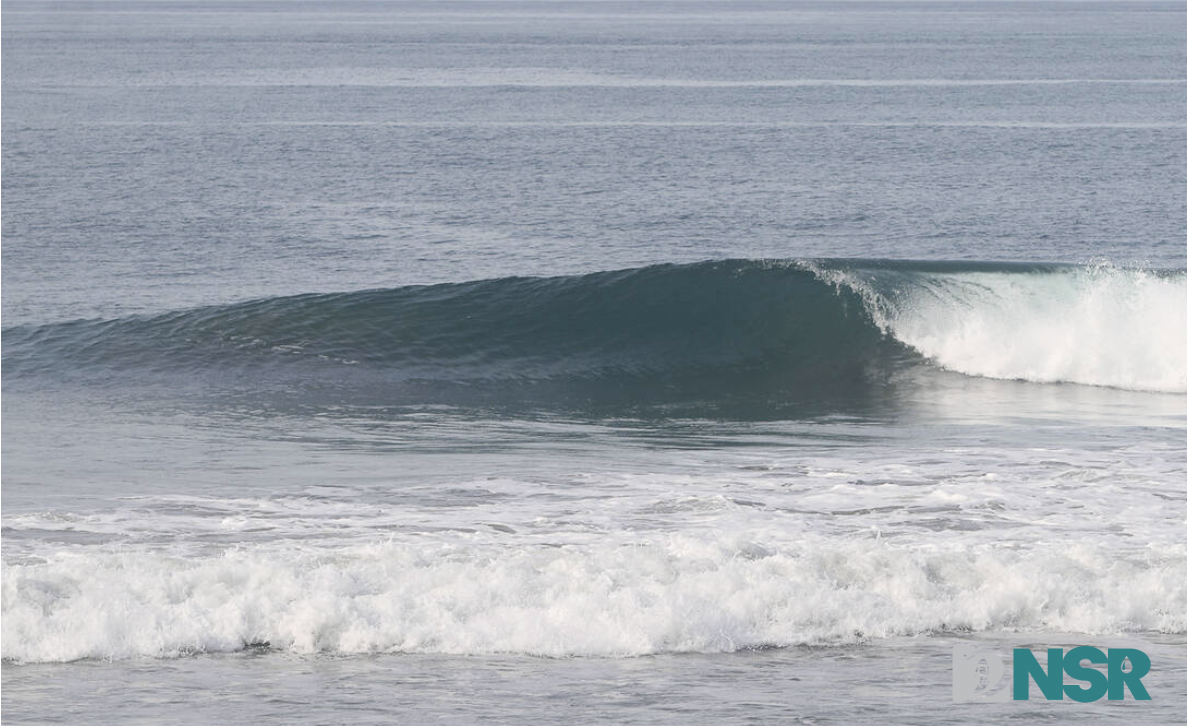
{"x": 1097, "y": 325}
{"x": 758, "y": 331}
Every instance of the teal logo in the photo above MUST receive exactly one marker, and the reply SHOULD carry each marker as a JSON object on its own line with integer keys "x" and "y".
{"x": 981, "y": 676}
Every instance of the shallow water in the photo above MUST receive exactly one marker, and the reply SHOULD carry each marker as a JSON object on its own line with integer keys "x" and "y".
{"x": 899, "y": 681}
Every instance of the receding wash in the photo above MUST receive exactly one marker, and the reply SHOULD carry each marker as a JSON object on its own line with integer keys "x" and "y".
{"x": 575, "y": 362}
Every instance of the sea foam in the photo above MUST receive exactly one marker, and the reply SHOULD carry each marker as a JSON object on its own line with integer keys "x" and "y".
{"x": 1097, "y": 325}
{"x": 823, "y": 335}
{"x": 620, "y": 597}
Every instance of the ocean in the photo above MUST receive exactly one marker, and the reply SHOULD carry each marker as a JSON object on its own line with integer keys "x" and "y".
{"x": 588, "y": 362}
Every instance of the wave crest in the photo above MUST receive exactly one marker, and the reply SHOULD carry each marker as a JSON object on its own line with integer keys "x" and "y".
{"x": 1098, "y": 325}
{"x": 723, "y": 331}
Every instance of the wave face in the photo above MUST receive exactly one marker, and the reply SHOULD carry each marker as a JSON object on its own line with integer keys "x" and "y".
{"x": 712, "y": 331}
{"x": 679, "y": 593}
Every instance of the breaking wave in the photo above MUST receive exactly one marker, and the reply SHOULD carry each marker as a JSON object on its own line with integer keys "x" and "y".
{"x": 675, "y": 593}
{"x": 721, "y": 330}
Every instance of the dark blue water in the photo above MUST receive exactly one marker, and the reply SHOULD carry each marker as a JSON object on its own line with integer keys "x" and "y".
{"x": 635, "y": 362}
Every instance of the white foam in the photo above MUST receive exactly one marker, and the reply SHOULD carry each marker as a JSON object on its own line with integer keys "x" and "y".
{"x": 619, "y": 597}
{"x": 1098, "y": 325}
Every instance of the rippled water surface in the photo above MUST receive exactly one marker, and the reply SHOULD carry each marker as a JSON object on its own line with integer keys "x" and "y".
{"x": 526, "y": 362}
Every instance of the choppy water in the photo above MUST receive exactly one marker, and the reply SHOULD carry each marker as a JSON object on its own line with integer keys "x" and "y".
{"x": 518, "y": 362}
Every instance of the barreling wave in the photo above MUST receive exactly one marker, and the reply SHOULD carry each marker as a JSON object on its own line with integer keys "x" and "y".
{"x": 735, "y": 329}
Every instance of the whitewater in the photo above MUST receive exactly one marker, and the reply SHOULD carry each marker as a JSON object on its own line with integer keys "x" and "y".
{"x": 1094, "y": 324}
{"x": 631, "y": 564}
{"x": 799, "y": 322}
{"x": 661, "y": 363}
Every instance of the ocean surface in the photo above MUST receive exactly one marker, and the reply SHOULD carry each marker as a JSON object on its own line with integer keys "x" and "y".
{"x": 588, "y": 362}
